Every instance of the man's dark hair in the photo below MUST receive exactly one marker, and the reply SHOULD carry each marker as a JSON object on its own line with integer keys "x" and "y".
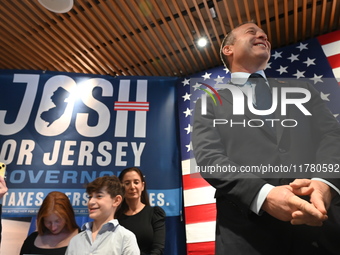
{"x": 229, "y": 39}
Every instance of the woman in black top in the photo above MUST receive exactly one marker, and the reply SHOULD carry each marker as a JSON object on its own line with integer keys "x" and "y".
{"x": 56, "y": 225}
{"x": 136, "y": 214}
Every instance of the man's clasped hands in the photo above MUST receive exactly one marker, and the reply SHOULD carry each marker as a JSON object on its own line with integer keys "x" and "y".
{"x": 284, "y": 202}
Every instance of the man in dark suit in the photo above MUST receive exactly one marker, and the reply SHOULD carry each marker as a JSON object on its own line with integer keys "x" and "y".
{"x": 280, "y": 212}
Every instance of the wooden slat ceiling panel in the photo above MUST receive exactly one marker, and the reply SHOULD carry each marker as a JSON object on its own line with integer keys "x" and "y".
{"x": 147, "y": 37}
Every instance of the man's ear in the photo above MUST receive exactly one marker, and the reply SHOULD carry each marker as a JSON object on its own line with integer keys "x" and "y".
{"x": 227, "y": 50}
{"x": 117, "y": 200}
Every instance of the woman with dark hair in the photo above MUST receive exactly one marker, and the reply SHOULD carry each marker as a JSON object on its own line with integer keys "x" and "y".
{"x": 136, "y": 214}
{"x": 56, "y": 225}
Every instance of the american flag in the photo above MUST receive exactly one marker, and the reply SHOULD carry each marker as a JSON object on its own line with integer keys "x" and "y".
{"x": 315, "y": 60}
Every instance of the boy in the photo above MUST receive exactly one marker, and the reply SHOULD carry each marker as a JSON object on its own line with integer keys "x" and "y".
{"x": 104, "y": 235}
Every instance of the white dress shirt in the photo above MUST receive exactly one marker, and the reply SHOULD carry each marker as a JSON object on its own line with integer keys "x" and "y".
{"x": 112, "y": 239}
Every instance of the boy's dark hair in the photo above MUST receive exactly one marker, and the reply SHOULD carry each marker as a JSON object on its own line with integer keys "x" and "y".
{"x": 111, "y": 183}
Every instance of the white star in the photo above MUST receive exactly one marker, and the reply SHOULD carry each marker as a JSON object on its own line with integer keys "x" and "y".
{"x": 268, "y": 65}
{"x": 309, "y": 61}
{"x": 324, "y": 96}
{"x": 299, "y": 74}
{"x": 282, "y": 69}
{"x": 316, "y": 78}
{"x": 293, "y": 57}
{"x": 196, "y": 86}
{"x": 189, "y": 147}
{"x": 206, "y": 75}
{"x": 277, "y": 55}
{"x": 188, "y": 129}
{"x": 186, "y": 96}
{"x": 186, "y": 82}
{"x": 302, "y": 46}
{"x": 226, "y": 70}
{"x": 188, "y": 112}
{"x": 335, "y": 115}
{"x": 219, "y": 79}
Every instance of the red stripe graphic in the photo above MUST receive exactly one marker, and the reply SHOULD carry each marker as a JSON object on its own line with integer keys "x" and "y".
{"x": 131, "y": 106}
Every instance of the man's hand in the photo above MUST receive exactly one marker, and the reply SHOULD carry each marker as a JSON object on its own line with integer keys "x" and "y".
{"x": 3, "y": 187}
{"x": 320, "y": 196}
{"x": 282, "y": 204}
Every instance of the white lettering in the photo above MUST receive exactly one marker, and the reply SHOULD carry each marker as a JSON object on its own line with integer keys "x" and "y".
{"x": 32, "y": 81}
{"x": 85, "y": 90}
{"x": 297, "y": 101}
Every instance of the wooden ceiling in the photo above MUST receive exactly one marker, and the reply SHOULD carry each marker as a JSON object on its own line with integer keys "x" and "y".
{"x": 147, "y": 37}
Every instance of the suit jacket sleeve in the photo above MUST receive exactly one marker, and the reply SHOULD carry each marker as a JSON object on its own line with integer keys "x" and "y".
{"x": 210, "y": 151}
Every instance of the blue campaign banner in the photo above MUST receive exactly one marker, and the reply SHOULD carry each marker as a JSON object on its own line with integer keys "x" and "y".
{"x": 59, "y": 131}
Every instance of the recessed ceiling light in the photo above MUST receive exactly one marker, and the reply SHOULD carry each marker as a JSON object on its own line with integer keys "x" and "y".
{"x": 202, "y": 42}
{"x": 58, "y": 6}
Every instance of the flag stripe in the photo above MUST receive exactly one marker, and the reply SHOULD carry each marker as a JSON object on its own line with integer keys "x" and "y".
{"x": 201, "y": 232}
{"x": 191, "y": 181}
{"x": 331, "y": 48}
{"x": 186, "y": 166}
{"x": 336, "y": 72}
{"x": 200, "y": 213}
{"x": 334, "y": 60}
{"x": 206, "y": 248}
{"x": 199, "y": 196}
{"x": 329, "y": 38}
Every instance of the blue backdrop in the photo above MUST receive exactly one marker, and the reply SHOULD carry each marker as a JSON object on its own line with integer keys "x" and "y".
{"x": 59, "y": 131}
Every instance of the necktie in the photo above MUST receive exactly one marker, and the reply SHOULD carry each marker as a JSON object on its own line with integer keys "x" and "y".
{"x": 263, "y": 94}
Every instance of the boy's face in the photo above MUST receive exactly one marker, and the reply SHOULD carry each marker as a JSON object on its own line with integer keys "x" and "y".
{"x": 102, "y": 206}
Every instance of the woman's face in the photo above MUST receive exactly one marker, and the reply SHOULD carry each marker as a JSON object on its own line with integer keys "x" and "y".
{"x": 54, "y": 223}
{"x": 133, "y": 185}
